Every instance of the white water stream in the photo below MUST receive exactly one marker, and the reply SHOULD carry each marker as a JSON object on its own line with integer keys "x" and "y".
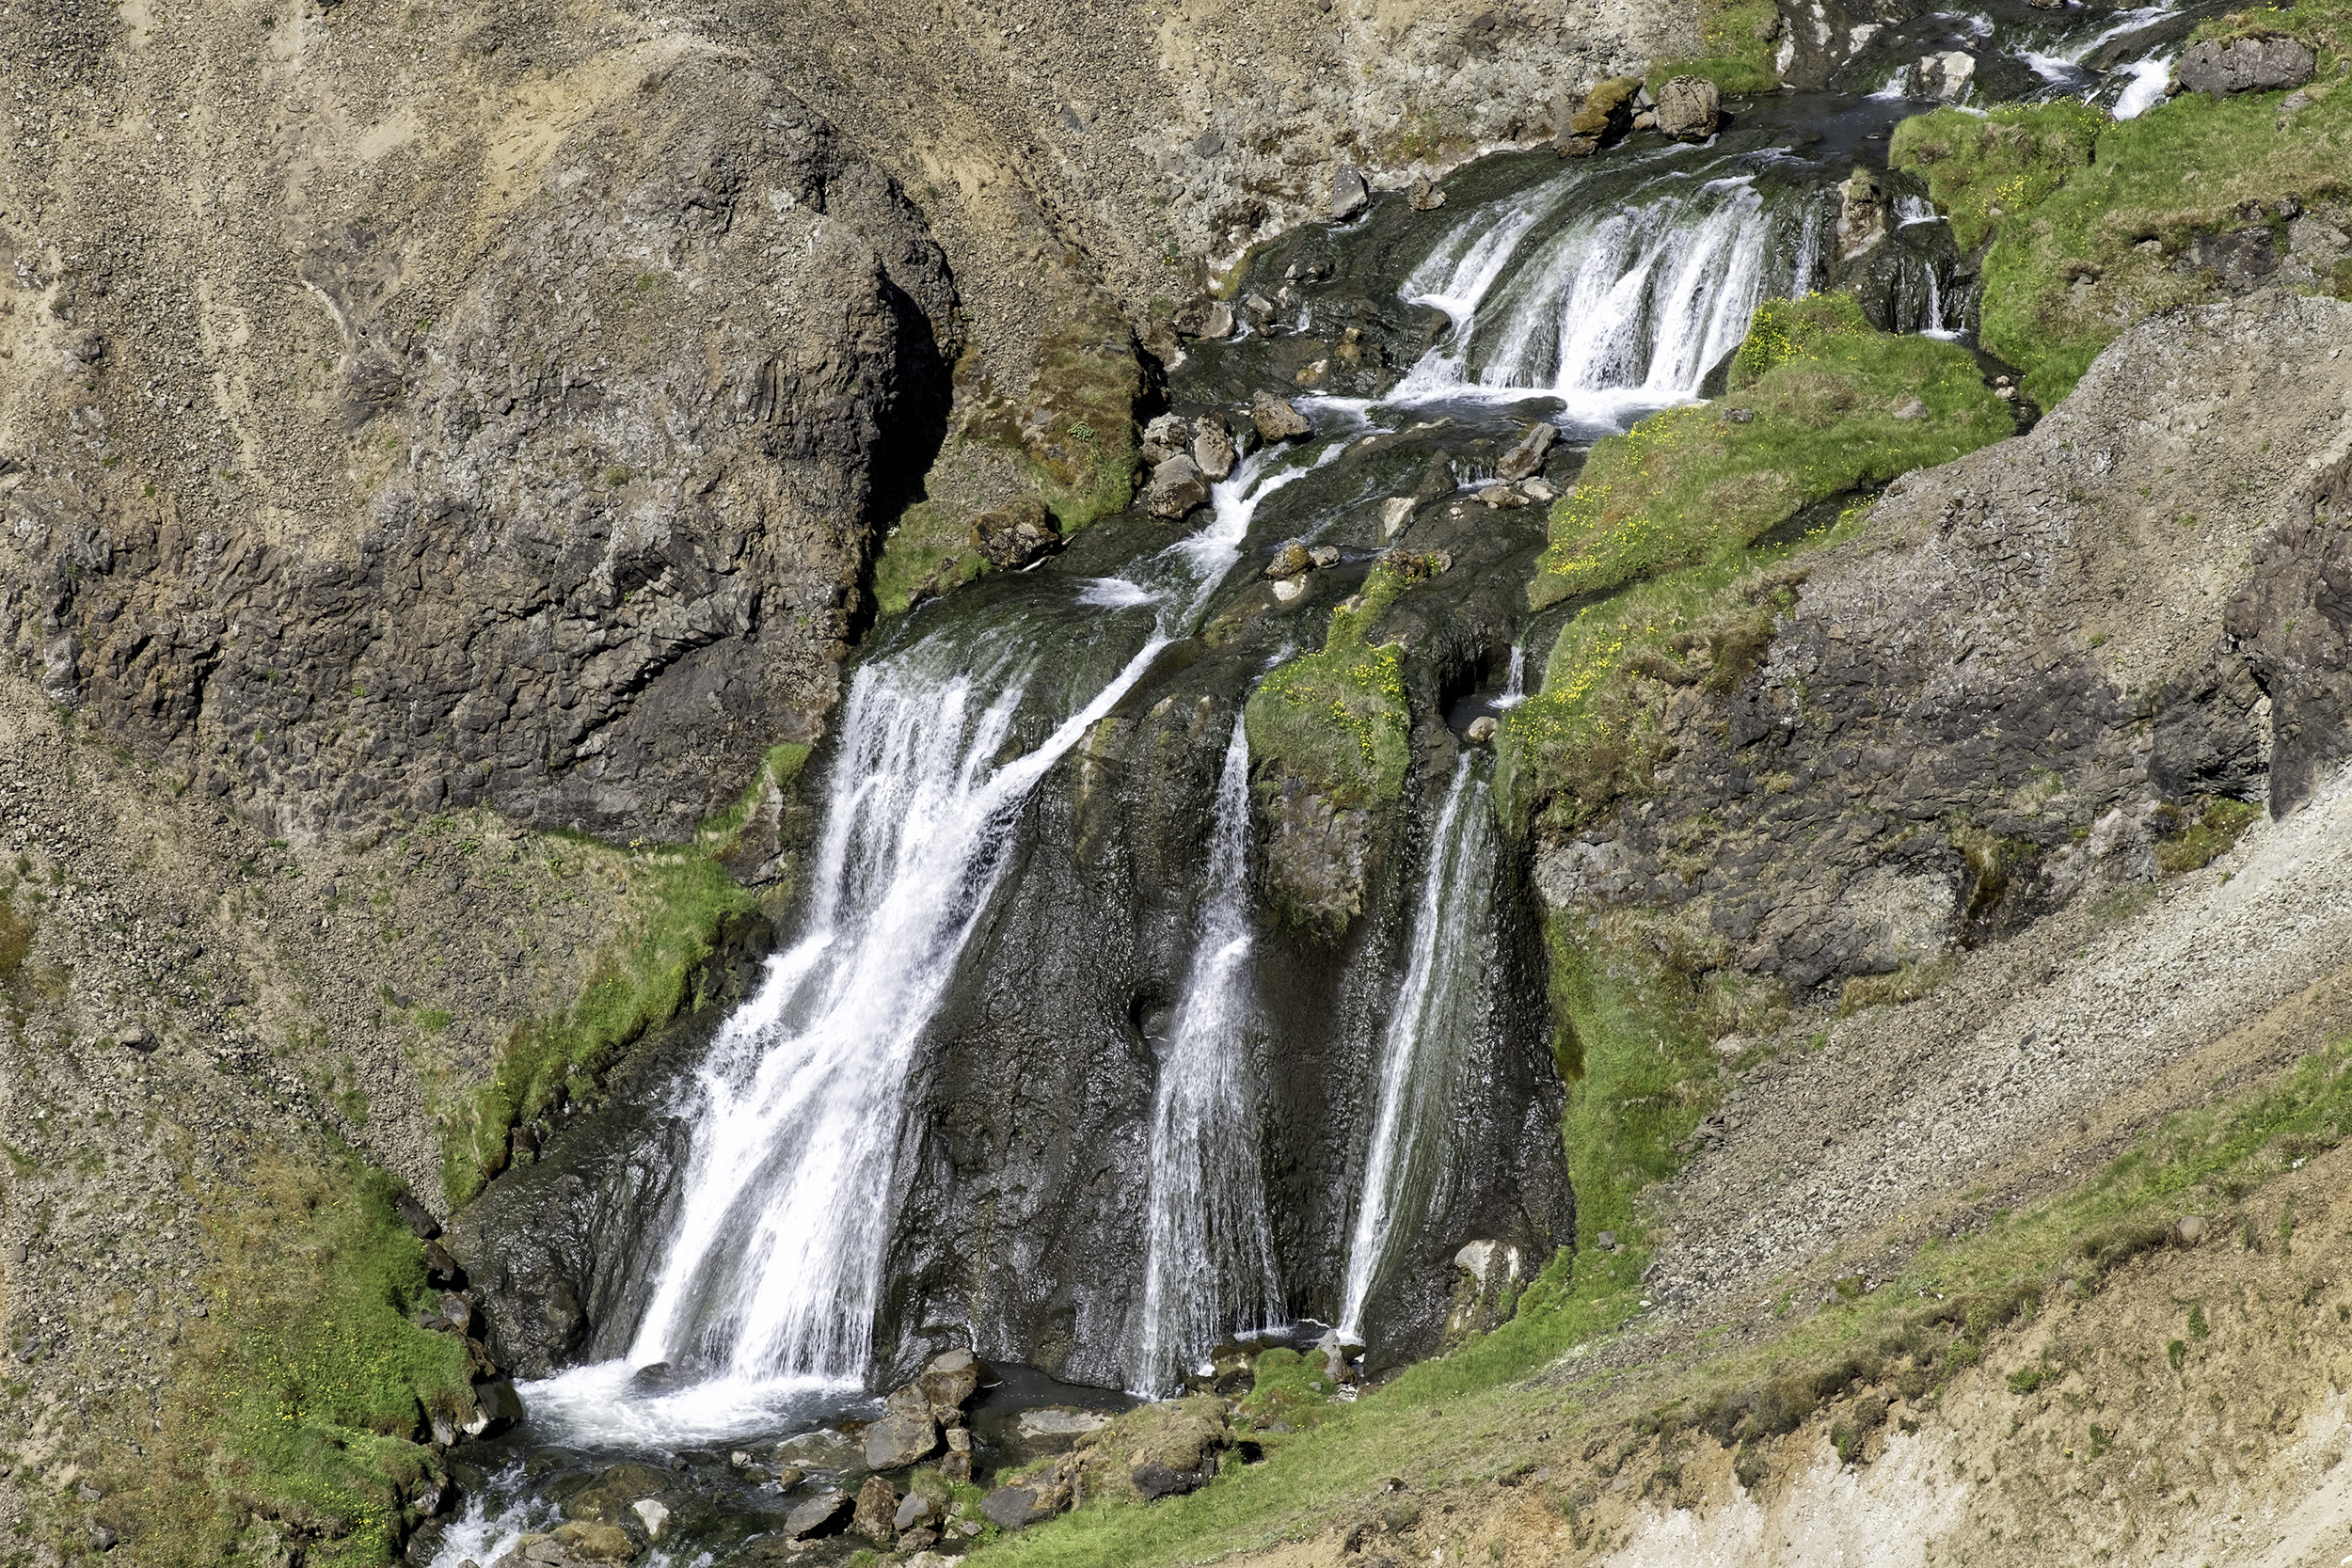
{"x": 1431, "y": 1043}
{"x": 1208, "y": 1268}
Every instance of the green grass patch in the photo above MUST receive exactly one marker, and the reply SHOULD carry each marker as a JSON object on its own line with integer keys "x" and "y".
{"x": 1980, "y": 168}
{"x": 639, "y": 981}
{"x": 778, "y": 769}
{"x": 2206, "y": 836}
{"x": 1291, "y": 1389}
{"x": 2093, "y": 214}
{"x": 1336, "y": 717}
{"x": 1738, "y": 48}
{"x": 1824, "y": 389}
{"x": 300, "y": 1400}
{"x": 928, "y": 551}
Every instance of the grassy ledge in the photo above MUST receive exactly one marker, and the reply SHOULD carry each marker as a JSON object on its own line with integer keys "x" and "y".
{"x": 2088, "y": 218}
{"x": 1825, "y": 391}
{"x": 1336, "y": 719}
{"x": 299, "y": 1406}
{"x": 642, "y": 977}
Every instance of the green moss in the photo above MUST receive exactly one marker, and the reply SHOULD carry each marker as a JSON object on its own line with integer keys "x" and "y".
{"x": 1738, "y": 57}
{"x": 928, "y": 551}
{"x": 1824, "y": 389}
{"x": 639, "y": 981}
{"x": 303, "y": 1395}
{"x": 2207, "y": 837}
{"x": 1336, "y": 719}
{"x": 2093, "y": 214}
{"x": 1291, "y": 1389}
{"x": 778, "y": 769}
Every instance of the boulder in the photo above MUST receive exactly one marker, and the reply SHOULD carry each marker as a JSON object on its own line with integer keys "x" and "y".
{"x": 1015, "y": 534}
{"x": 496, "y": 1407}
{"x": 1527, "y": 456}
{"x": 916, "y": 1511}
{"x": 1349, "y": 194}
{"x": 1016, "y": 1507}
{"x": 1289, "y": 561}
{"x": 823, "y": 1515}
{"x": 1155, "y": 1480}
{"x": 655, "y": 1514}
{"x": 1176, "y": 488}
{"x": 2248, "y": 65}
{"x": 1276, "y": 419}
{"x": 1607, "y": 114}
{"x": 1690, "y": 108}
{"x": 1505, "y": 498}
{"x": 1395, "y": 513}
{"x": 877, "y": 1513}
{"x": 1290, "y": 590}
{"x": 898, "y": 1440}
{"x": 950, "y": 1379}
{"x": 1213, "y": 447}
{"x": 1057, "y": 1423}
{"x": 1164, "y": 437}
{"x": 823, "y": 1449}
{"x": 1325, "y": 556}
{"x": 1205, "y": 318}
{"x": 1910, "y": 409}
{"x": 138, "y": 1037}
{"x": 1482, "y": 730}
{"x": 1422, "y": 195}
{"x": 1943, "y": 76}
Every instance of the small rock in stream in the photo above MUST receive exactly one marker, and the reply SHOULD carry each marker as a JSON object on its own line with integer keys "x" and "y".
{"x": 820, "y": 1515}
{"x": 1276, "y": 419}
{"x": 898, "y": 1440}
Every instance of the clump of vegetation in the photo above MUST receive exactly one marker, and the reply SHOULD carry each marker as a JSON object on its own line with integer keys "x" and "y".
{"x": 1738, "y": 37}
{"x": 640, "y": 981}
{"x": 1336, "y": 719}
{"x": 1825, "y": 390}
{"x": 2093, "y": 215}
{"x": 303, "y": 1398}
{"x": 1291, "y": 1389}
{"x": 1907, "y": 982}
{"x": 1981, "y": 169}
{"x": 777, "y": 770}
{"x": 928, "y": 551}
{"x": 2205, "y": 838}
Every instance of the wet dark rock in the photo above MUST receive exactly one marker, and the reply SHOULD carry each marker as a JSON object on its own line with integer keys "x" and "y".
{"x": 950, "y": 1380}
{"x": 1153, "y": 1481}
{"x": 416, "y": 1218}
{"x": 1013, "y": 536}
{"x": 1689, "y": 108}
{"x": 496, "y": 1407}
{"x": 2247, "y": 64}
{"x": 2236, "y": 261}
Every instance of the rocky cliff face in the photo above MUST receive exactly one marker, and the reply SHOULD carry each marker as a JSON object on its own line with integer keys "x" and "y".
{"x": 2035, "y": 660}
{"x": 542, "y": 475}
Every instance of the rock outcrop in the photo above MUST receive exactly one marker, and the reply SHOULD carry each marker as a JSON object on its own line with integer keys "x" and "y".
{"x": 551, "y": 493}
{"x": 2020, "y": 676}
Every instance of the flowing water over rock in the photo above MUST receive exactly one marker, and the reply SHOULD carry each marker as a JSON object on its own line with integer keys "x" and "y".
{"x": 1037, "y": 1071}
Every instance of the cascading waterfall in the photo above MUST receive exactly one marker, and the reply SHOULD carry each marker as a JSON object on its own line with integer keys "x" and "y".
{"x": 773, "y": 1275}
{"x": 1432, "y": 1040}
{"x": 1614, "y": 305}
{"x": 1209, "y": 1259}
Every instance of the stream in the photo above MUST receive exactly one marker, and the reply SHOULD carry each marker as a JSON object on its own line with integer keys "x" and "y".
{"x": 1034, "y": 1070}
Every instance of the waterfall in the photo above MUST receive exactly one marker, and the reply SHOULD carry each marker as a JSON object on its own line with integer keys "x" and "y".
{"x": 1209, "y": 1259}
{"x": 772, "y": 1275}
{"x": 774, "y": 1267}
{"x": 1433, "y": 1041}
{"x": 1621, "y": 302}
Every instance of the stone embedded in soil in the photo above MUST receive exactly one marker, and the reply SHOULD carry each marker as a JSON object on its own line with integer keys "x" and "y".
{"x": 877, "y": 1512}
{"x": 1015, "y": 1507}
{"x": 1155, "y": 1480}
{"x": 2248, "y": 65}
